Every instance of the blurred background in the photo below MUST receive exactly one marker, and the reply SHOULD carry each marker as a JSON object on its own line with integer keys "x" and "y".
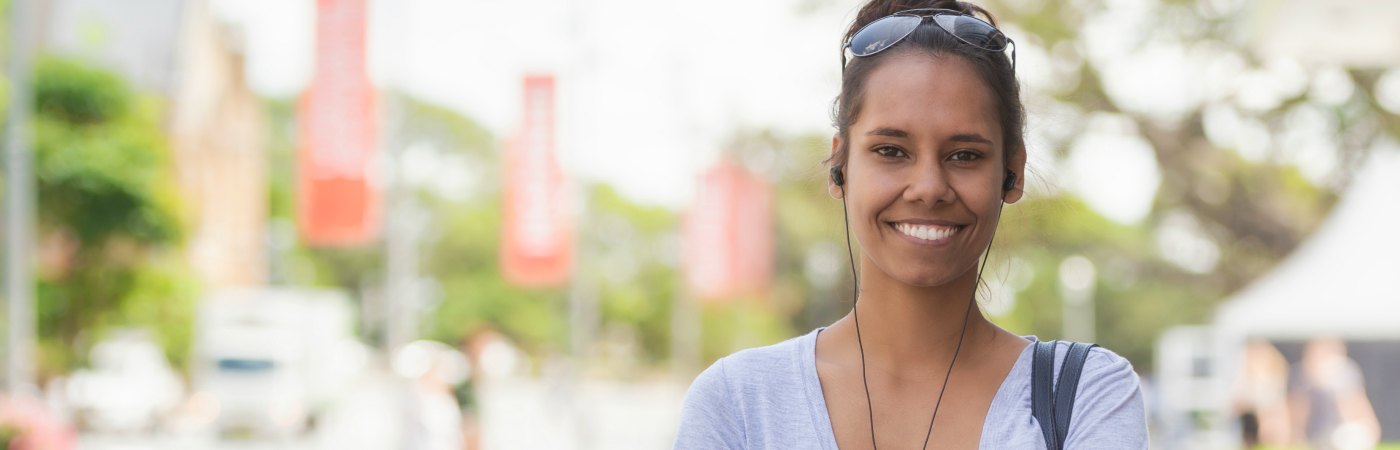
{"x": 491, "y": 224}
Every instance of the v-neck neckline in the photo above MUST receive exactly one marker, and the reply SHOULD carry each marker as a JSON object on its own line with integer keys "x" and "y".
{"x": 1016, "y": 380}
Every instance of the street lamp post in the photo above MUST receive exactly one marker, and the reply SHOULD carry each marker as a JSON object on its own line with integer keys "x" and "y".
{"x": 19, "y": 207}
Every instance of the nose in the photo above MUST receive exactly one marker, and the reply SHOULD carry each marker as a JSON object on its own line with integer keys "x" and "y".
{"x": 929, "y": 185}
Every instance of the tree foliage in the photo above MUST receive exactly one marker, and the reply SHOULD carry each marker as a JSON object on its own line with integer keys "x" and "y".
{"x": 1253, "y": 209}
{"x": 107, "y": 215}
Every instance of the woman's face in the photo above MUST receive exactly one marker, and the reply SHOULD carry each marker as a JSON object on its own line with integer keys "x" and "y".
{"x": 924, "y": 170}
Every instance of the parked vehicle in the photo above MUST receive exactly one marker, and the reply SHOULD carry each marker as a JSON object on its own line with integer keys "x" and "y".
{"x": 129, "y": 388}
{"x": 271, "y": 358}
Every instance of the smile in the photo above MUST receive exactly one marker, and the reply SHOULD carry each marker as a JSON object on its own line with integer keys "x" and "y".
{"x": 930, "y": 233}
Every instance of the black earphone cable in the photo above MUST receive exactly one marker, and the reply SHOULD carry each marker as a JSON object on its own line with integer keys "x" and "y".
{"x": 855, "y": 295}
{"x": 956, "y": 350}
{"x": 855, "y": 308}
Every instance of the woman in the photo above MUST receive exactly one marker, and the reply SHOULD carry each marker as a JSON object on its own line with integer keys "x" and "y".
{"x": 928, "y": 147}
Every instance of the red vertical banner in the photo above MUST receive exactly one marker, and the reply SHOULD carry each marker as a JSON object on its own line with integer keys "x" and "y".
{"x": 728, "y": 244}
{"x": 337, "y": 129}
{"x": 536, "y": 243}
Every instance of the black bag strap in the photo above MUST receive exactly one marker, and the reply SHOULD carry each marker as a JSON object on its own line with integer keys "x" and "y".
{"x": 1042, "y": 391}
{"x": 1054, "y": 407}
{"x": 1070, "y": 370}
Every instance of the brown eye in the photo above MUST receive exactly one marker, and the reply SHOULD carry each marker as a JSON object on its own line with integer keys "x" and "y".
{"x": 886, "y": 151}
{"x": 964, "y": 156}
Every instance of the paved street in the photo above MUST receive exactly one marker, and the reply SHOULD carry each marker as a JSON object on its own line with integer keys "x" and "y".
{"x": 516, "y": 414}
{"x": 367, "y": 419}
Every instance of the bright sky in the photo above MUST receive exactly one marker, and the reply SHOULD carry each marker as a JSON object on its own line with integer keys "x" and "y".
{"x": 651, "y": 90}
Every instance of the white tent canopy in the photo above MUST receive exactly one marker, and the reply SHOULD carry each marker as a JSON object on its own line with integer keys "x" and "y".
{"x": 1344, "y": 281}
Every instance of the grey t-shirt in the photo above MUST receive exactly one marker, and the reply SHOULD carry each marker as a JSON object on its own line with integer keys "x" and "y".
{"x": 770, "y": 397}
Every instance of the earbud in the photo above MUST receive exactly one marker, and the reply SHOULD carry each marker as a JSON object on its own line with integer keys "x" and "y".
{"x": 1010, "y": 183}
{"x": 837, "y": 177}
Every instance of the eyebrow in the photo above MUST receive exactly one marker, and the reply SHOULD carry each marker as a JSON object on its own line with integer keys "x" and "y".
{"x": 970, "y": 137}
{"x": 960, "y": 137}
{"x": 888, "y": 132}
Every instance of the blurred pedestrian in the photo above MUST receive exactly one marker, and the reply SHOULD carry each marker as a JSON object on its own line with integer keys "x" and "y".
{"x": 1261, "y": 401}
{"x": 435, "y": 370}
{"x": 1329, "y": 399}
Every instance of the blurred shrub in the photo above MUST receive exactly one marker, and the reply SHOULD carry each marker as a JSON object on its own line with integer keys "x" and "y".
{"x": 107, "y": 215}
{"x": 76, "y": 94}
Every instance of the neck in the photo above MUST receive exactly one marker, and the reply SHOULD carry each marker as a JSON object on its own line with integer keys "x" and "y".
{"x": 916, "y": 329}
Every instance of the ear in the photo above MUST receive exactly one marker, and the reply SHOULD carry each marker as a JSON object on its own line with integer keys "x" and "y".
{"x": 1016, "y": 165}
{"x": 836, "y": 192}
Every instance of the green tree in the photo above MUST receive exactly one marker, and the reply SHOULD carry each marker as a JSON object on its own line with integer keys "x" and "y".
{"x": 107, "y": 216}
{"x": 1255, "y": 211}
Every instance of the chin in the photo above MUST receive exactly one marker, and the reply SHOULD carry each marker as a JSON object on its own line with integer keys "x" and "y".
{"x": 927, "y": 278}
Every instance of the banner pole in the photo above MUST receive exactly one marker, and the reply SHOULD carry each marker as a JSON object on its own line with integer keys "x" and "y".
{"x": 19, "y": 207}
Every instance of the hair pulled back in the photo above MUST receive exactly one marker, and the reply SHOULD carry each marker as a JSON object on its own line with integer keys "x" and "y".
{"x": 993, "y": 68}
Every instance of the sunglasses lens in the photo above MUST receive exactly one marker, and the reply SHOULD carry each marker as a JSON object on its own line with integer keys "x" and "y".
{"x": 881, "y": 34}
{"x": 972, "y": 31}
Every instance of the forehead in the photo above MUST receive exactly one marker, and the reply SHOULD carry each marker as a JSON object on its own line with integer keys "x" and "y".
{"x": 928, "y": 95}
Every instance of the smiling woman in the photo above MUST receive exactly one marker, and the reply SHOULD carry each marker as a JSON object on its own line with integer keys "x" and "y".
{"x": 928, "y": 148}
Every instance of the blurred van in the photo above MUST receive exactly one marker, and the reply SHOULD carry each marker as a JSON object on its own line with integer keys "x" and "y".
{"x": 269, "y": 359}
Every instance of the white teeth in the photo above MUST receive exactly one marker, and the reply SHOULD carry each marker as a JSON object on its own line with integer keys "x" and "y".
{"x": 926, "y": 232}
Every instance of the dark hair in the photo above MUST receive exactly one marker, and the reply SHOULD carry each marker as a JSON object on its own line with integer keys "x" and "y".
{"x": 992, "y": 67}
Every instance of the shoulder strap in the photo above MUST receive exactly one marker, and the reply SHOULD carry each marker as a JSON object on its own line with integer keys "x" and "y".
{"x": 1070, "y": 370}
{"x": 1042, "y": 391}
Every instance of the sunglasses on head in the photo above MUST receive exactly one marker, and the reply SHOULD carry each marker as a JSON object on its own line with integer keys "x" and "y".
{"x": 887, "y": 31}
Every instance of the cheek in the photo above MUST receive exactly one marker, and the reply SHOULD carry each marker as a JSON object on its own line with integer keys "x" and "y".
{"x": 873, "y": 192}
{"x": 980, "y": 192}
{"x": 866, "y": 197}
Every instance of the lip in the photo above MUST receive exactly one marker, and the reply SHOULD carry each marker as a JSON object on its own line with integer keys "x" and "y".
{"x": 917, "y": 241}
{"x": 937, "y": 222}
